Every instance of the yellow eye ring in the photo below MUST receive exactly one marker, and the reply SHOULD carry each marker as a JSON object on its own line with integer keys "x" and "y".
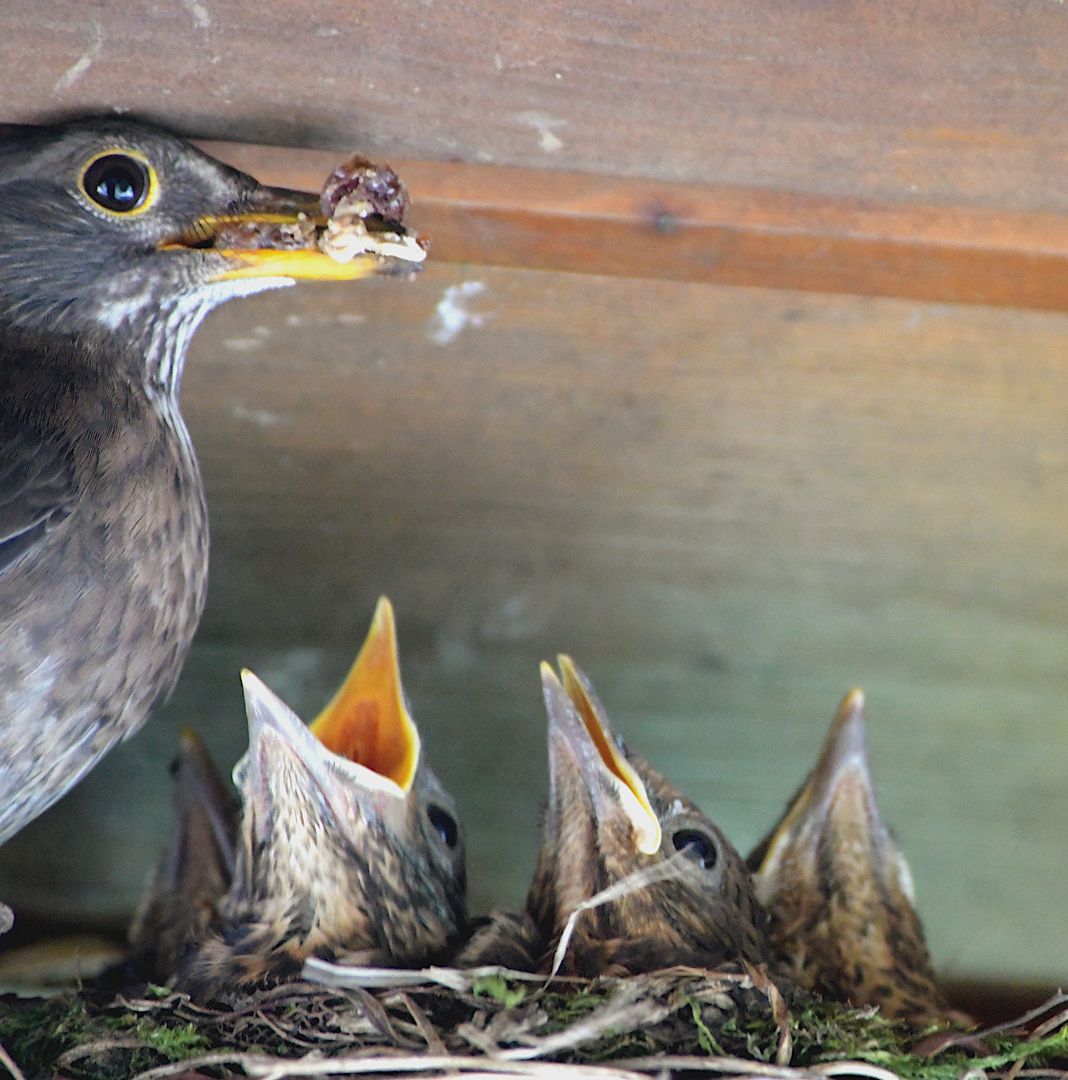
{"x": 121, "y": 182}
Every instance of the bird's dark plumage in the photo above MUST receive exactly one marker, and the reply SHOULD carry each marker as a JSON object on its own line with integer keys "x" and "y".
{"x": 348, "y": 845}
{"x": 611, "y": 816}
{"x": 106, "y": 269}
{"x": 839, "y": 892}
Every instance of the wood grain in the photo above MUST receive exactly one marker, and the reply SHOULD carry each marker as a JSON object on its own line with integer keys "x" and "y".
{"x": 954, "y": 103}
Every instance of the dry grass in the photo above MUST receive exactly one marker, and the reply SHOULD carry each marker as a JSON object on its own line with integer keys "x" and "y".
{"x": 491, "y": 1023}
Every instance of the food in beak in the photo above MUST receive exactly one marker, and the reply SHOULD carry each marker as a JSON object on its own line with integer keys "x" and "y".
{"x": 363, "y": 206}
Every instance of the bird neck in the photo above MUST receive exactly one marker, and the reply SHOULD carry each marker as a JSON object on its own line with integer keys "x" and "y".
{"x": 164, "y": 337}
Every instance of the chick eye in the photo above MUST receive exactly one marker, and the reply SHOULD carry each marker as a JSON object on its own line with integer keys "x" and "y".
{"x": 698, "y": 846}
{"x": 444, "y": 824}
{"x": 117, "y": 182}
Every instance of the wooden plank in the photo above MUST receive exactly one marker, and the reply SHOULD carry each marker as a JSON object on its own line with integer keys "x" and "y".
{"x": 919, "y": 100}
{"x": 542, "y": 220}
{"x": 729, "y": 505}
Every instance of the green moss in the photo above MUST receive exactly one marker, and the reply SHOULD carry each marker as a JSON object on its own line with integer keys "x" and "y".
{"x": 748, "y": 1037}
{"x": 823, "y": 1031}
{"x": 496, "y": 987}
{"x": 566, "y": 1007}
{"x": 1051, "y": 1051}
{"x": 37, "y": 1031}
{"x": 704, "y": 1037}
{"x": 174, "y": 1043}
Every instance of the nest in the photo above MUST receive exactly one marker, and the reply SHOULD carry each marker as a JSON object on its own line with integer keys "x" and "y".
{"x": 441, "y": 1022}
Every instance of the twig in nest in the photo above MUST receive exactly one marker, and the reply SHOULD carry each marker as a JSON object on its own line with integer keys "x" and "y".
{"x": 629, "y": 1010}
{"x": 458, "y": 980}
{"x": 854, "y": 1068}
{"x": 284, "y": 1035}
{"x": 676, "y": 866}
{"x": 945, "y": 1040}
{"x": 780, "y": 1013}
{"x": 98, "y": 1046}
{"x": 1049, "y": 1026}
{"x": 373, "y": 1010}
{"x": 480, "y": 1068}
{"x": 738, "y": 1068}
{"x": 470, "y": 1068}
{"x": 225, "y": 1057}
{"x": 366, "y": 978}
{"x": 728, "y": 1065}
{"x": 5, "y": 1058}
{"x": 434, "y": 1045}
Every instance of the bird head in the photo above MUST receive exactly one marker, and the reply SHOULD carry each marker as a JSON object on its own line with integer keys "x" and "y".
{"x": 107, "y": 223}
{"x": 838, "y": 890}
{"x": 349, "y": 842}
{"x": 611, "y": 818}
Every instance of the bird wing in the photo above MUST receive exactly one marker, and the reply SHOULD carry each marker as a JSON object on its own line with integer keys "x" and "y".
{"x": 37, "y": 490}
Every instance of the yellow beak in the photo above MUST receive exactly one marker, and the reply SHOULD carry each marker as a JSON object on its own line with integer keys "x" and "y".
{"x": 368, "y": 721}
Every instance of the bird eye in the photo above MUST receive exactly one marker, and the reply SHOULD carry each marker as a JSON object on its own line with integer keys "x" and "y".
{"x": 698, "y": 846}
{"x": 445, "y": 825}
{"x": 120, "y": 183}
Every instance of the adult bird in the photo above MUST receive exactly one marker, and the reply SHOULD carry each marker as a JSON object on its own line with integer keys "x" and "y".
{"x": 347, "y": 847}
{"x": 649, "y": 881}
{"x": 107, "y": 266}
{"x": 839, "y": 892}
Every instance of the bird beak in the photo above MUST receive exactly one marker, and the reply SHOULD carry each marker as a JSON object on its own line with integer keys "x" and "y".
{"x": 360, "y": 755}
{"x": 368, "y": 721}
{"x": 580, "y": 734}
{"x": 205, "y": 813}
{"x": 274, "y": 208}
{"x": 838, "y": 798}
{"x": 197, "y": 867}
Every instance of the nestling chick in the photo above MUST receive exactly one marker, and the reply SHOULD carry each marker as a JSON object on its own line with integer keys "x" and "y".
{"x": 611, "y": 816}
{"x": 839, "y": 892}
{"x": 348, "y": 845}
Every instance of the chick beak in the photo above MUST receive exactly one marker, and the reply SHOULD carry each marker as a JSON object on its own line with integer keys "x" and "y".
{"x": 358, "y": 758}
{"x": 197, "y": 867}
{"x": 837, "y": 799}
{"x": 368, "y": 721}
{"x": 581, "y": 736}
{"x": 843, "y": 762}
{"x": 205, "y": 813}
{"x": 271, "y": 206}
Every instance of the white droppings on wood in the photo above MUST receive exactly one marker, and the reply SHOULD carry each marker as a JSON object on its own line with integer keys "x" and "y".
{"x": 451, "y": 315}
{"x": 83, "y": 63}
{"x": 260, "y": 417}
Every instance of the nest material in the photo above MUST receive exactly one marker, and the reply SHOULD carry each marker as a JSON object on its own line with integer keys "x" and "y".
{"x": 491, "y": 1023}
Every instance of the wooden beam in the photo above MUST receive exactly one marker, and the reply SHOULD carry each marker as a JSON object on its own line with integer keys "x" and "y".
{"x": 714, "y": 234}
{"x": 958, "y": 104}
